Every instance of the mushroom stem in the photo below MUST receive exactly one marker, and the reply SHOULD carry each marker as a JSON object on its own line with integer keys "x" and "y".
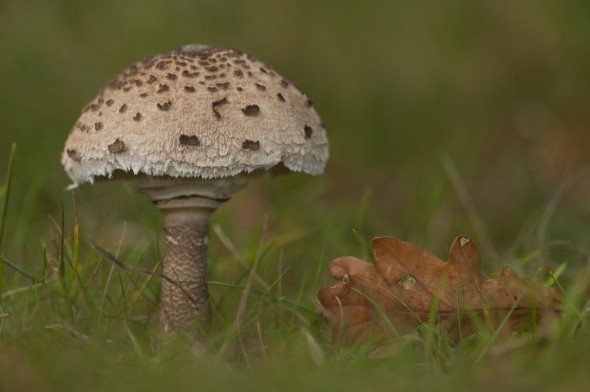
{"x": 184, "y": 294}
{"x": 187, "y": 205}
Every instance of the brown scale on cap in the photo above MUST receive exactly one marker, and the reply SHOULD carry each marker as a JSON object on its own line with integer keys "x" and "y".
{"x": 143, "y": 95}
{"x": 308, "y": 131}
{"x": 280, "y": 97}
{"x": 123, "y": 108}
{"x": 188, "y": 74}
{"x": 171, "y": 76}
{"x": 217, "y": 104}
{"x": 163, "y": 88}
{"x": 189, "y": 140}
{"x": 163, "y": 64}
{"x": 74, "y": 154}
{"x": 224, "y": 86}
{"x": 164, "y": 106}
{"x": 109, "y": 102}
{"x": 97, "y": 126}
{"x": 117, "y": 147}
{"x": 137, "y": 116}
{"x": 253, "y": 145}
{"x": 152, "y": 79}
{"x": 189, "y": 89}
{"x": 251, "y": 110}
{"x": 260, "y": 86}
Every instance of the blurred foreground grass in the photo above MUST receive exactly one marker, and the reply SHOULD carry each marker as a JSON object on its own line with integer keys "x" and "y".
{"x": 444, "y": 118}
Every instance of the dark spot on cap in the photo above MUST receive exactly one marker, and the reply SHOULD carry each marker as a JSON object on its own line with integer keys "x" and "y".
{"x": 163, "y": 64}
{"x": 82, "y": 127}
{"x": 98, "y": 126}
{"x": 238, "y": 73}
{"x": 123, "y": 108}
{"x": 260, "y": 87}
{"x": 163, "y": 88}
{"x": 239, "y": 89}
{"x": 73, "y": 154}
{"x": 117, "y": 147}
{"x": 211, "y": 89}
{"x": 164, "y": 106}
{"x": 92, "y": 107}
{"x": 308, "y": 131}
{"x": 127, "y": 88}
{"x": 100, "y": 113}
{"x": 280, "y": 97}
{"x": 109, "y": 102}
{"x": 137, "y": 116}
{"x": 217, "y": 104}
{"x": 251, "y": 110}
{"x": 188, "y": 74}
{"x": 223, "y": 86}
{"x": 191, "y": 140}
{"x": 137, "y": 82}
{"x": 152, "y": 79}
{"x": 251, "y": 145}
{"x": 284, "y": 83}
{"x": 210, "y": 77}
{"x": 212, "y": 69}
{"x": 263, "y": 70}
{"x": 143, "y": 95}
{"x": 308, "y": 103}
{"x": 189, "y": 89}
{"x": 171, "y": 76}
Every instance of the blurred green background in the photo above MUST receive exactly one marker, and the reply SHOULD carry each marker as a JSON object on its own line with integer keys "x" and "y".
{"x": 445, "y": 118}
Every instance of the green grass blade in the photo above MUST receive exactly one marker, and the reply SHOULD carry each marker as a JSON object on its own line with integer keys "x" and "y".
{"x": 7, "y": 187}
{"x": 17, "y": 269}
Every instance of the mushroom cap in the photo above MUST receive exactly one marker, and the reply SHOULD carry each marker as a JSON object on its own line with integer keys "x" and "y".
{"x": 197, "y": 111}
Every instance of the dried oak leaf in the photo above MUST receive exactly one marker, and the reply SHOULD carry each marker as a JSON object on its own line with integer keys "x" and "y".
{"x": 395, "y": 295}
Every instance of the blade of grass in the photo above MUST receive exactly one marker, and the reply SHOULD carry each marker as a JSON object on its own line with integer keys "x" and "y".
{"x": 469, "y": 205}
{"x": 75, "y": 274}
{"x": 7, "y": 186}
{"x": 364, "y": 244}
{"x": 500, "y": 328}
{"x": 17, "y": 269}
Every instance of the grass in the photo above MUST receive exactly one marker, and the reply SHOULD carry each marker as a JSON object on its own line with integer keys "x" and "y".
{"x": 83, "y": 318}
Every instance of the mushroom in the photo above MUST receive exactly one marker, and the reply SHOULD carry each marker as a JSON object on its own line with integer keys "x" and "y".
{"x": 193, "y": 125}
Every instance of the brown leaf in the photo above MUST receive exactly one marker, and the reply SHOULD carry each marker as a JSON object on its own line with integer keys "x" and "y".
{"x": 395, "y": 295}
